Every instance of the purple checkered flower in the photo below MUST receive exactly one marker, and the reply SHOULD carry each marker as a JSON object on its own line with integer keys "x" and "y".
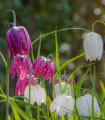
{"x": 44, "y": 66}
{"x": 22, "y": 84}
{"x": 22, "y": 65}
{"x": 18, "y": 40}
{"x": 63, "y": 79}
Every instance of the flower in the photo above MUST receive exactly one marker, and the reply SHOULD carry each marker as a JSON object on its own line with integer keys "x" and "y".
{"x": 62, "y": 77}
{"x": 22, "y": 84}
{"x": 45, "y": 66}
{"x": 84, "y": 106}
{"x": 63, "y": 104}
{"x": 38, "y": 94}
{"x": 58, "y": 91}
{"x": 18, "y": 40}
{"x": 93, "y": 46}
{"x": 22, "y": 65}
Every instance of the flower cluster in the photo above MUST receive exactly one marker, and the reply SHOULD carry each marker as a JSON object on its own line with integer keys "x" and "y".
{"x": 19, "y": 43}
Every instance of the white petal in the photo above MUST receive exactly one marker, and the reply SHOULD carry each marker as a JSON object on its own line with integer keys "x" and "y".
{"x": 26, "y": 94}
{"x": 63, "y": 104}
{"x": 93, "y": 46}
{"x": 84, "y": 105}
{"x": 58, "y": 92}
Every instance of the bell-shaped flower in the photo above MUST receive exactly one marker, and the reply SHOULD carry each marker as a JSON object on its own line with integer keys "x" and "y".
{"x": 18, "y": 40}
{"x": 38, "y": 94}
{"x": 84, "y": 106}
{"x": 65, "y": 78}
{"x": 22, "y": 65}
{"x": 22, "y": 84}
{"x": 93, "y": 46}
{"x": 44, "y": 66}
{"x": 59, "y": 90}
{"x": 63, "y": 105}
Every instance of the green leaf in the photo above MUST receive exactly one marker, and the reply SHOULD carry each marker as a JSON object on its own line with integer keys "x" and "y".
{"x": 57, "y": 31}
{"x": 16, "y": 115}
{"x": 3, "y": 58}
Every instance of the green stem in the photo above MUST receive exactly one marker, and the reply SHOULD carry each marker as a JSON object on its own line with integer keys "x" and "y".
{"x": 97, "y": 21}
{"x": 38, "y": 114}
{"x": 93, "y": 89}
{"x": 14, "y": 16}
{"x": 29, "y": 97}
{"x": 7, "y": 87}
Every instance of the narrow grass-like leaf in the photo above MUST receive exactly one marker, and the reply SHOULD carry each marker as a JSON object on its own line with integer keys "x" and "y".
{"x": 3, "y": 58}
{"x": 16, "y": 115}
{"x": 69, "y": 61}
{"x": 58, "y": 31}
{"x": 79, "y": 84}
{"x": 39, "y": 48}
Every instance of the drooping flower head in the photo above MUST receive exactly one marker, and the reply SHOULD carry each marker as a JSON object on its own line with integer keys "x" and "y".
{"x": 38, "y": 94}
{"x": 93, "y": 46}
{"x": 63, "y": 104}
{"x": 18, "y": 40}
{"x": 22, "y": 65}
{"x": 44, "y": 66}
{"x": 84, "y": 106}
{"x": 59, "y": 90}
{"x": 65, "y": 78}
{"x": 22, "y": 84}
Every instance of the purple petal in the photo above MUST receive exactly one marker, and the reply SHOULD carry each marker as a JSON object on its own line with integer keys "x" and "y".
{"x": 28, "y": 40}
{"x": 39, "y": 68}
{"x": 52, "y": 73}
{"x": 15, "y": 38}
{"x": 13, "y": 66}
{"x": 37, "y": 60}
{"x": 47, "y": 69}
{"x": 22, "y": 84}
{"x": 12, "y": 50}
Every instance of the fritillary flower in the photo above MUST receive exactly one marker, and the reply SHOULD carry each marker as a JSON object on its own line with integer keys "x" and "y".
{"x": 44, "y": 66}
{"x": 58, "y": 90}
{"x": 93, "y": 46}
{"x": 18, "y": 40}
{"x": 38, "y": 94}
{"x": 22, "y": 84}
{"x": 22, "y": 65}
{"x": 63, "y": 105}
{"x": 84, "y": 106}
{"x": 65, "y": 78}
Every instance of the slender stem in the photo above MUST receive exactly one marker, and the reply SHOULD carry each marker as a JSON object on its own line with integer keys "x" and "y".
{"x": 7, "y": 87}
{"x": 97, "y": 21}
{"x": 29, "y": 97}
{"x": 38, "y": 114}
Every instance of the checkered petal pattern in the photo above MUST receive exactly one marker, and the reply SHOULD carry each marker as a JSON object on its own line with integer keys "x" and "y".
{"x": 22, "y": 84}
{"x": 18, "y": 40}
{"x": 44, "y": 66}
{"x": 22, "y": 65}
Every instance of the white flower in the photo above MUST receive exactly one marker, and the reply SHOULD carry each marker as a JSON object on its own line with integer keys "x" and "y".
{"x": 63, "y": 104}
{"x": 84, "y": 106}
{"x": 93, "y": 46}
{"x": 58, "y": 91}
{"x": 38, "y": 94}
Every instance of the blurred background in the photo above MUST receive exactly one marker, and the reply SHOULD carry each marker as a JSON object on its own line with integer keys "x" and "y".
{"x": 43, "y": 16}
